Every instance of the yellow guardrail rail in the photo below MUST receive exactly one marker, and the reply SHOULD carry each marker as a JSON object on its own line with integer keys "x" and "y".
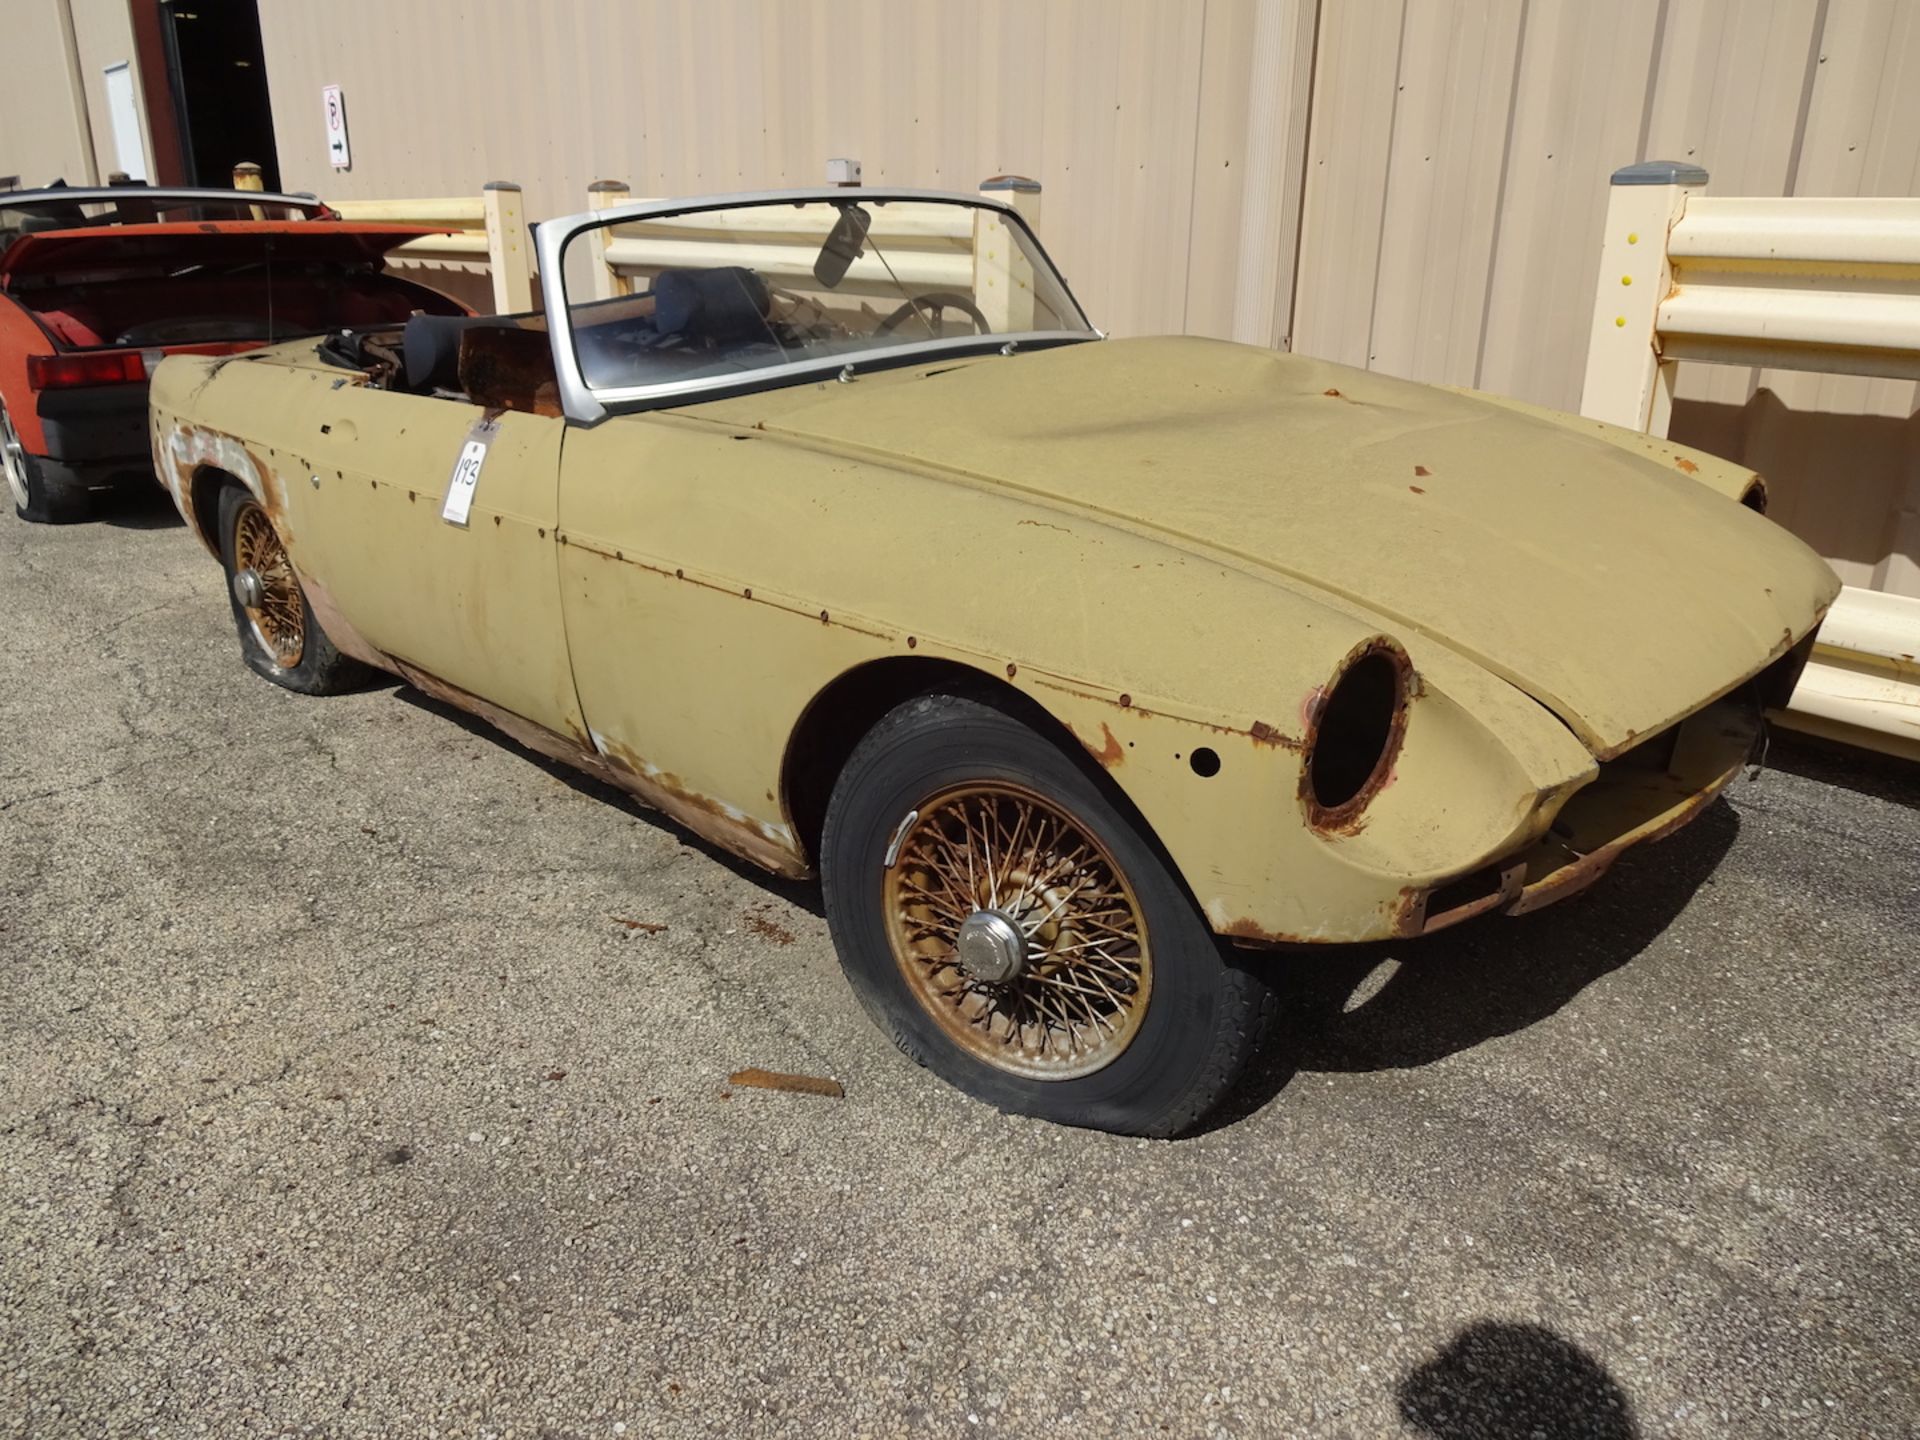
{"x": 1794, "y": 283}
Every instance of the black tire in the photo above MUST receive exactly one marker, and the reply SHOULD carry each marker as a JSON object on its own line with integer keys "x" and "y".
{"x": 320, "y": 668}
{"x": 1205, "y": 1013}
{"x": 34, "y": 499}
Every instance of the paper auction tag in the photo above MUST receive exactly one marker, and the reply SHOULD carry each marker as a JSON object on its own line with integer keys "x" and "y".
{"x": 466, "y": 472}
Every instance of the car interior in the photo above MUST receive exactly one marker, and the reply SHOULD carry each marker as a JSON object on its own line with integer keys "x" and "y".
{"x": 690, "y": 323}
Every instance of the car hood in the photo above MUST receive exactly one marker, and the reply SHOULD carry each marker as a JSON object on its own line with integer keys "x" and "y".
{"x": 60, "y": 254}
{"x": 1608, "y": 585}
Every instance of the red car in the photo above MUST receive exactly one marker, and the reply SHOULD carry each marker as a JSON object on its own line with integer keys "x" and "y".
{"x": 96, "y": 286}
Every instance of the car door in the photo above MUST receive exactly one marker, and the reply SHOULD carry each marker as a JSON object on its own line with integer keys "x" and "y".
{"x": 696, "y": 645}
{"x": 472, "y": 601}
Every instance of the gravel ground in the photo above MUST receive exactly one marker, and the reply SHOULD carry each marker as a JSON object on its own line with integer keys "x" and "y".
{"x": 338, "y": 1098}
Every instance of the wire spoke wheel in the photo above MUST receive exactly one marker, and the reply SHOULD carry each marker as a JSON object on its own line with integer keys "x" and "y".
{"x": 1018, "y": 932}
{"x": 279, "y": 612}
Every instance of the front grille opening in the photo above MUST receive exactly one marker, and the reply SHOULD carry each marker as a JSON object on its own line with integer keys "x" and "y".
{"x": 1356, "y": 724}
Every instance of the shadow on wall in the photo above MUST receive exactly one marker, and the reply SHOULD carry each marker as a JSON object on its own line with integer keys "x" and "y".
{"x": 1504, "y": 1380}
{"x": 1848, "y": 485}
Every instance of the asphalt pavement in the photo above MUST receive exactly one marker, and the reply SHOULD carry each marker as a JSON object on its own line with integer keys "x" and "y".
{"x": 362, "y": 1074}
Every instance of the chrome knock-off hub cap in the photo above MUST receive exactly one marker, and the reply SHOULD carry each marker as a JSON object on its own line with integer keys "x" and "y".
{"x": 991, "y": 947}
{"x": 249, "y": 589}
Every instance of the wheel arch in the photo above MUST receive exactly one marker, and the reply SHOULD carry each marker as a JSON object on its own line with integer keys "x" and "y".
{"x": 203, "y": 502}
{"x": 840, "y": 715}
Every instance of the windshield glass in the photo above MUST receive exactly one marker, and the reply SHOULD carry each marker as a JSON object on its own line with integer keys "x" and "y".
{"x": 725, "y": 292}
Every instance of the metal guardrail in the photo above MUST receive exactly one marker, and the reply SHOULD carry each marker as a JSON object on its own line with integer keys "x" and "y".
{"x": 485, "y": 232}
{"x": 1830, "y": 285}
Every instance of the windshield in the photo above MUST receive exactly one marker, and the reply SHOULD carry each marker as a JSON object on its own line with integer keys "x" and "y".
{"x": 721, "y": 293}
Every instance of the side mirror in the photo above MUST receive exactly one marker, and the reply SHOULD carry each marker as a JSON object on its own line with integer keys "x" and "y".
{"x": 843, "y": 245}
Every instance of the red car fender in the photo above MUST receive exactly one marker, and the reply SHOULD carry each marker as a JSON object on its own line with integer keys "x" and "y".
{"x": 19, "y": 338}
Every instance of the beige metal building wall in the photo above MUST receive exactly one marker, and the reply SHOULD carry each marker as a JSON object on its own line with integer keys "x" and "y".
{"x": 1456, "y": 185}
{"x": 1171, "y": 177}
{"x": 44, "y": 130}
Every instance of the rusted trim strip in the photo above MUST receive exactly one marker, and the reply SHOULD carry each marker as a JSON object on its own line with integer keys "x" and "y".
{"x": 738, "y": 592}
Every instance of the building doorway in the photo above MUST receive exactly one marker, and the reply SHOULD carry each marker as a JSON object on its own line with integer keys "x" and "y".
{"x": 213, "y": 96}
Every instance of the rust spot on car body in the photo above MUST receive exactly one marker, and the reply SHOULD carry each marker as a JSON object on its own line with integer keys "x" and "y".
{"x": 1064, "y": 685}
{"x": 1111, "y": 751}
{"x": 1261, "y": 733}
{"x": 1251, "y": 932}
{"x": 1681, "y": 462}
{"x": 1416, "y": 489}
{"x": 1422, "y": 471}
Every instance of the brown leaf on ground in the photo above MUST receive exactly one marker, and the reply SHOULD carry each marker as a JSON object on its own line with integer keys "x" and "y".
{"x": 645, "y": 925}
{"x": 759, "y": 1079}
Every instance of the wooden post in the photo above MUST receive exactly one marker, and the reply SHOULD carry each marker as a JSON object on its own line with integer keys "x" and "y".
{"x": 246, "y": 176}
{"x": 508, "y": 258}
{"x": 1627, "y": 381}
{"x": 608, "y": 283}
{"x": 1002, "y": 274}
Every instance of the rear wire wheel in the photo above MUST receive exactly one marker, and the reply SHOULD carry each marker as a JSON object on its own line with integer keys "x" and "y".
{"x": 279, "y": 637}
{"x": 1004, "y": 918}
{"x": 278, "y": 612}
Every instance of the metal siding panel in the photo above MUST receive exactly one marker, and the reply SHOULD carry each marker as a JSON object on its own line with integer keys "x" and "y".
{"x": 1219, "y": 165}
{"x": 1442, "y": 182}
{"x": 1582, "y": 84}
{"x": 43, "y": 123}
{"x": 1348, "y": 142}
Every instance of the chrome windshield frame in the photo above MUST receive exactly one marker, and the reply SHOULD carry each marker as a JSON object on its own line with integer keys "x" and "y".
{"x": 585, "y": 404}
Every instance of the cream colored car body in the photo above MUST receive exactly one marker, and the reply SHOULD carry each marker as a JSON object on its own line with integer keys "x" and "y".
{"x": 1165, "y": 545}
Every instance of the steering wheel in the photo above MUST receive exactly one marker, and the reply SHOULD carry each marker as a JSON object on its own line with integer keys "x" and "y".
{"x": 938, "y": 302}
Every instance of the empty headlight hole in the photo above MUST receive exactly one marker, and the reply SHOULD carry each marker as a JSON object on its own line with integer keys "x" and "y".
{"x": 1355, "y": 729}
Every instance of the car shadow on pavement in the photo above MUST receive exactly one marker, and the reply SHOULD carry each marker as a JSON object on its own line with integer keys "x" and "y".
{"x": 1507, "y": 1380}
{"x": 1401, "y": 1004}
{"x": 140, "y": 508}
{"x": 803, "y": 893}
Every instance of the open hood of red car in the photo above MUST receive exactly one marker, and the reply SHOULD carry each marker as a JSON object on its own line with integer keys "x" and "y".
{"x": 52, "y": 255}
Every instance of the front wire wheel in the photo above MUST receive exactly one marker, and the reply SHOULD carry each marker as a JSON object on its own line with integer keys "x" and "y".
{"x": 1018, "y": 932}
{"x": 1006, "y": 919}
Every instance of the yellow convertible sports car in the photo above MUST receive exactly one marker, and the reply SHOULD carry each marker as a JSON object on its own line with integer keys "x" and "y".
{"x": 1084, "y": 672}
